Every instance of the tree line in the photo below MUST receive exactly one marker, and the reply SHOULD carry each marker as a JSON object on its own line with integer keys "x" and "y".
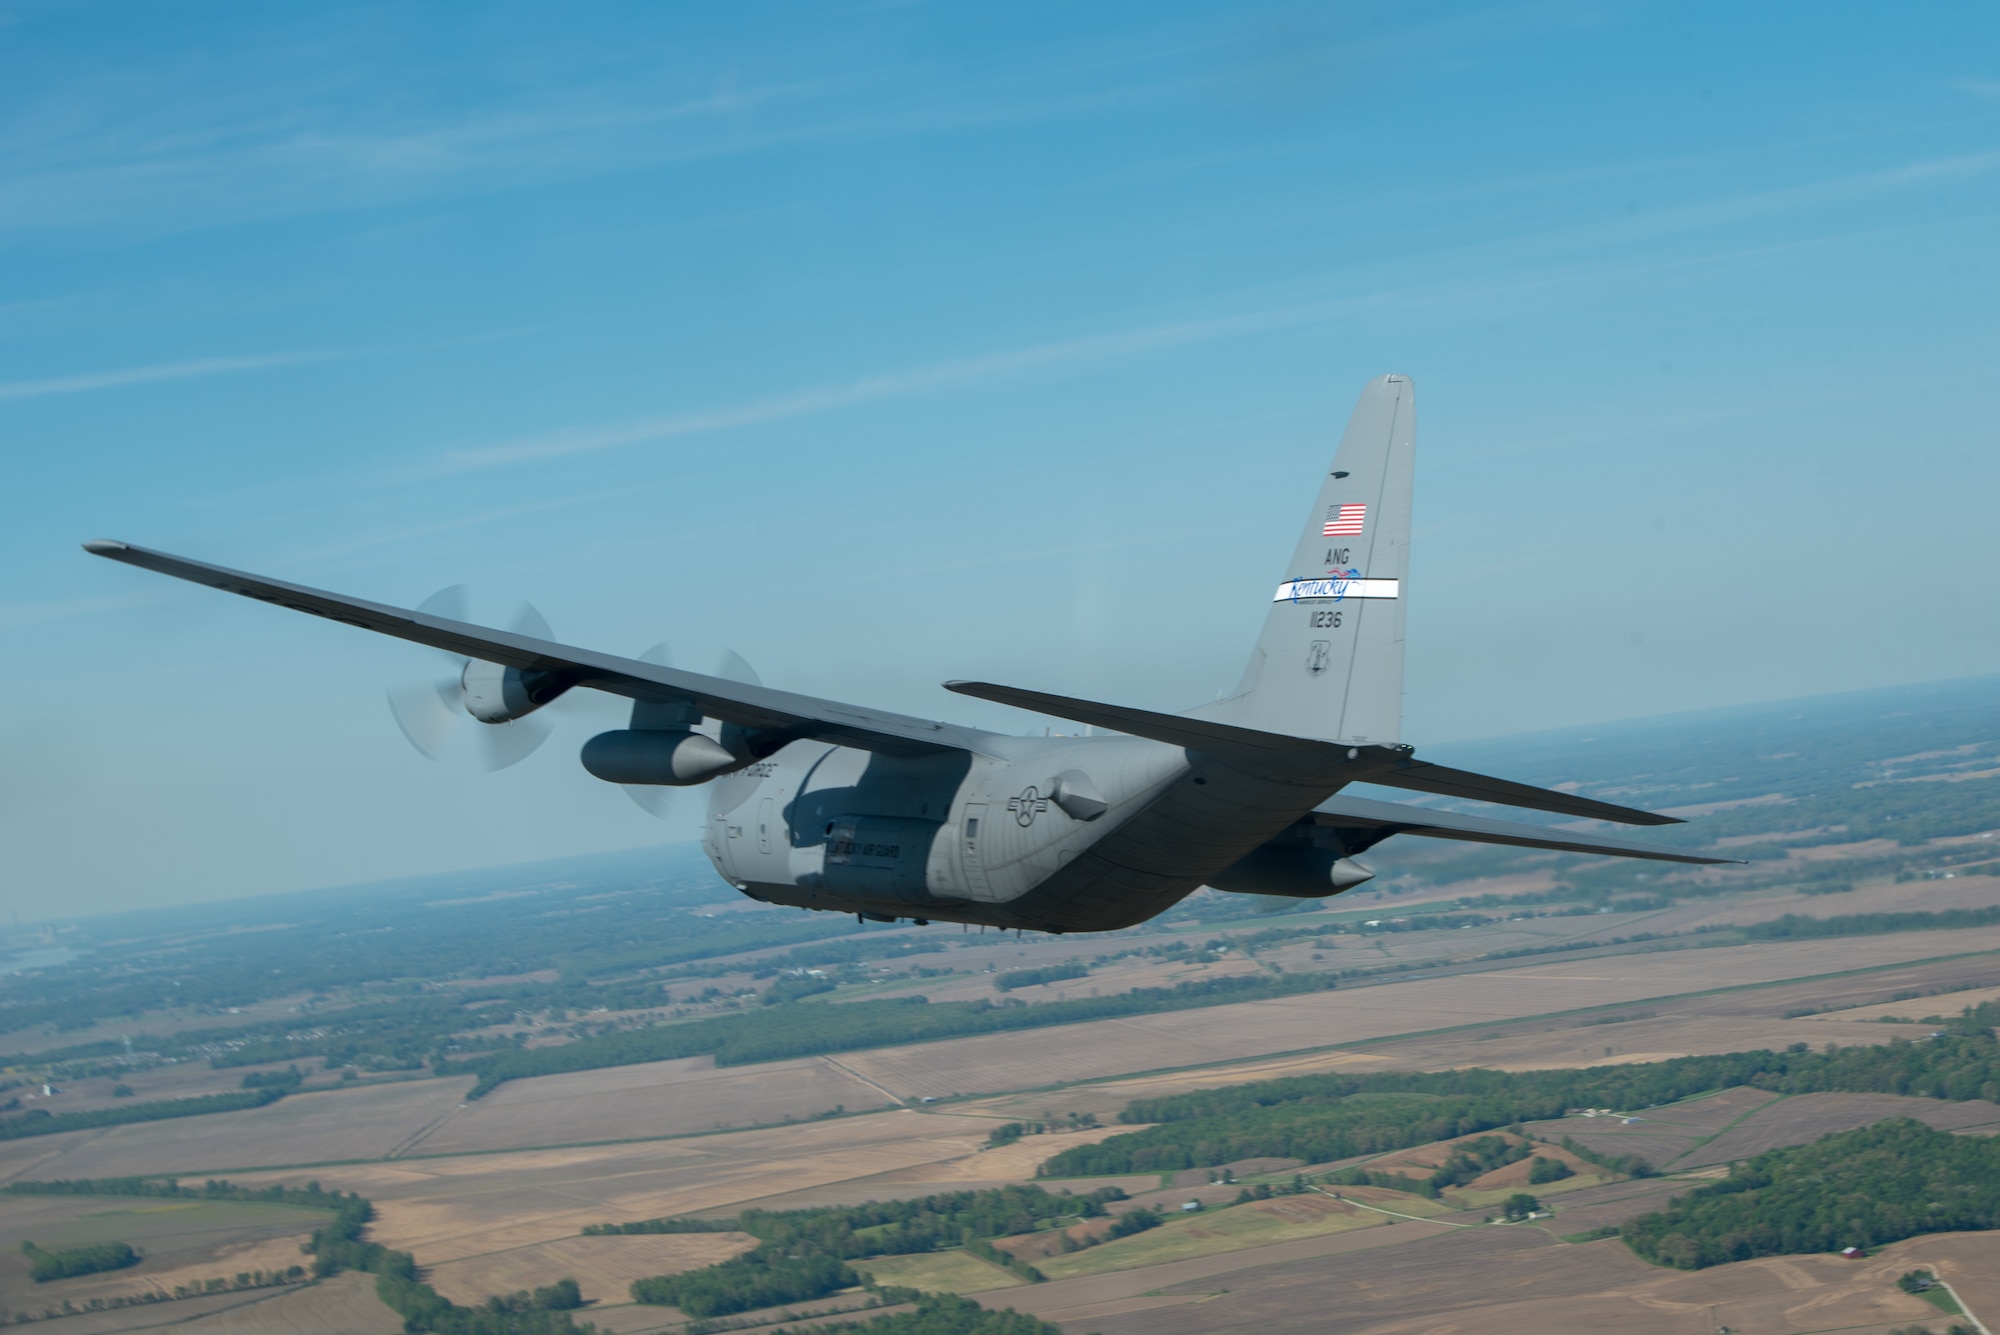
{"x": 1318, "y": 1118}
{"x": 1796, "y": 926}
{"x": 943, "y": 1314}
{"x": 42, "y": 1122}
{"x": 1050, "y": 973}
{"x": 806, "y": 1031}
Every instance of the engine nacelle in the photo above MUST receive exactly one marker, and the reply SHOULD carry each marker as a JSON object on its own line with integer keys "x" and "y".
{"x": 1296, "y": 871}
{"x": 496, "y": 694}
{"x": 676, "y": 759}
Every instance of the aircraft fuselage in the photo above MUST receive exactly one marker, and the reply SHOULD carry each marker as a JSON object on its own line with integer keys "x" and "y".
{"x": 1049, "y": 834}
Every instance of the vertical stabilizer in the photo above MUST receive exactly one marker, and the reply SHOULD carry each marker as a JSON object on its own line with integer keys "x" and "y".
{"x": 1330, "y": 660}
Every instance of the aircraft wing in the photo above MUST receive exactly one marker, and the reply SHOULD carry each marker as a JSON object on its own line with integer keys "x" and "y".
{"x": 1385, "y": 818}
{"x": 1390, "y": 766}
{"x": 760, "y": 707}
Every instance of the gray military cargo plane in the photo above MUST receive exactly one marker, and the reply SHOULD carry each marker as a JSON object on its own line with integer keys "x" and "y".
{"x": 831, "y": 806}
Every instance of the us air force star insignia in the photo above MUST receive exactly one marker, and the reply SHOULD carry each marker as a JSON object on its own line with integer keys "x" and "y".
{"x": 1027, "y": 806}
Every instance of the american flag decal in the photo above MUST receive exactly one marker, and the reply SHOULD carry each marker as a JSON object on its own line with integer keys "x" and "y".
{"x": 1344, "y": 521}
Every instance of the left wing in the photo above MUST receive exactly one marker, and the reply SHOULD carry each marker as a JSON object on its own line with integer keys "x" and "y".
{"x": 1382, "y": 819}
{"x": 780, "y": 713}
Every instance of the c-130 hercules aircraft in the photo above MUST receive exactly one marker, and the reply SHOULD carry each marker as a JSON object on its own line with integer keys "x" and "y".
{"x": 830, "y": 806}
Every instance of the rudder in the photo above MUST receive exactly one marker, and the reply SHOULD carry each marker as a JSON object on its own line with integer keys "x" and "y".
{"x": 1329, "y": 662}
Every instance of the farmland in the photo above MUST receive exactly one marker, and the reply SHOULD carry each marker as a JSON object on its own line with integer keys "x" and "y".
{"x": 1493, "y": 959}
{"x": 182, "y": 1244}
{"x": 1408, "y": 1277}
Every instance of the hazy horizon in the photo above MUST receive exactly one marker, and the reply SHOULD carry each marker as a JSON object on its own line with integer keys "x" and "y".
{"x": 688, "y": 848}
{"x": 889, "y": 346}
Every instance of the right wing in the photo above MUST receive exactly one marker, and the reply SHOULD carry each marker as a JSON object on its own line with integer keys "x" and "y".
{"x": 1382, "y": 819}
{"x": 778, "y": 712}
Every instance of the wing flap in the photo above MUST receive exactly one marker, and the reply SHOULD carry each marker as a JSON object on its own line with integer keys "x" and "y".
{"x": 737, "y": 702}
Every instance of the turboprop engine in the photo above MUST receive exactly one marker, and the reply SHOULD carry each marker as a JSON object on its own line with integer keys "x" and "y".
{"x": 1296, "y": 871}
{"x": 496, "y": 694}
{"x": 431, "y": 713}
{"x": 675, "y": 758}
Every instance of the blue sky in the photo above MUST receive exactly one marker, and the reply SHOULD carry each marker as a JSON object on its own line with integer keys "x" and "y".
{"x": 895, "y": 343}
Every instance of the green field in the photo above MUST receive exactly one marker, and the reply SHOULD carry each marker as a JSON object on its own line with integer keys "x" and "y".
{"x": 938, "y": 1272}
{"x": 1473, "y": 1198}
{"x": 1211, "y": 1231}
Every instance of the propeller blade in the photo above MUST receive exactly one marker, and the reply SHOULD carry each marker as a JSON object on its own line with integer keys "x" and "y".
{"x": 735, "y": 667}
{"x": 449, "y": 603}
{"x": 528, "y": 620}
{"x": 651, "y": 798}
{"x": 428, "y": 712}
{"x": 504, "y": 744}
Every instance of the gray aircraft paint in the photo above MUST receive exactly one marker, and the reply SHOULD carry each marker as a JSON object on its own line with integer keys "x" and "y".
{"x": 830, "y": 806}
{"x": 1329, "y": 662}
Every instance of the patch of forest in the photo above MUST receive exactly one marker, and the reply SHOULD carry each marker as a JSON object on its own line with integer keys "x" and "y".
{"x": 1319, "y": 1118}
{"x": 1864, "y": 1188}
{"x": 69, "y": 1262}
{"x": 803, "y": 1254}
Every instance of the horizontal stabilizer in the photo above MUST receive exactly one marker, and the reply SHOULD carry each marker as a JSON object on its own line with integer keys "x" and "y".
{"x": 1423, "y": 777}
{"x": 1390, "y": 766}
{"x": 1382, "y": 819}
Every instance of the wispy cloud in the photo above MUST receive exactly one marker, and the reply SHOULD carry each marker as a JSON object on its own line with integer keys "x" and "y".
{"x": 1987, "y": 90}
{"x": 1819, "y": 194}
{"x": 1043, "y": 357}
{"x": 88, "y": 381}
{"x": 1466, "y": 292}
{"x": 284, "y": 163}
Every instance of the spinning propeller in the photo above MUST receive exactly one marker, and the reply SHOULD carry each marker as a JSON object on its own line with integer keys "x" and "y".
{"x": 431, "y": 713}
{"x": 657, "y": 799}
{"x": 504, "y": 701}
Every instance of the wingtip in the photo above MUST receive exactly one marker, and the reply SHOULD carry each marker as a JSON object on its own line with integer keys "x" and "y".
{"x": 104, "y": 547}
